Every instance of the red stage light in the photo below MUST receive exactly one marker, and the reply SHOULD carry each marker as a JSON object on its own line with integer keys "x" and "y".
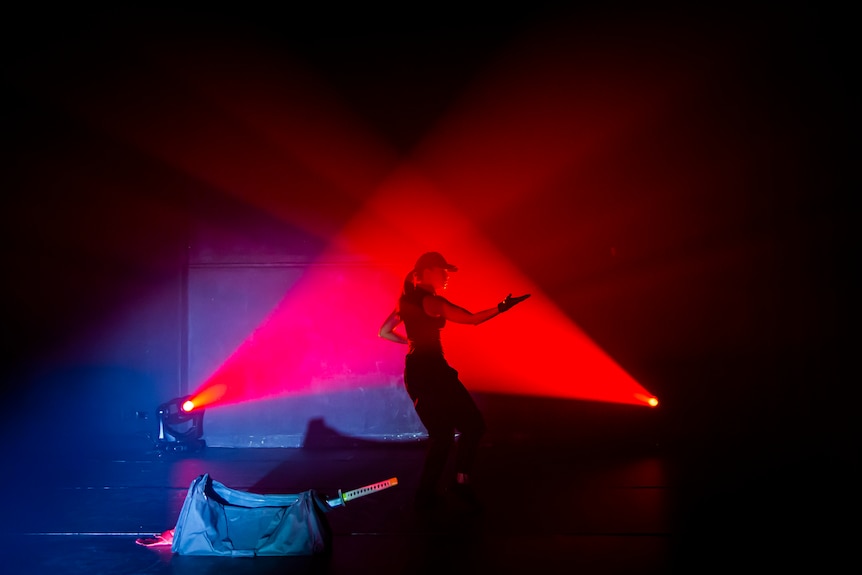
{"x": 647, "y": 399}
{"x": 293, "y": 153}
{"x": 206, "y": 396}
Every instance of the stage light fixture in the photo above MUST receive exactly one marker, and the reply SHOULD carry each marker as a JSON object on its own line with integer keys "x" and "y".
{"x": 181, "y": 426}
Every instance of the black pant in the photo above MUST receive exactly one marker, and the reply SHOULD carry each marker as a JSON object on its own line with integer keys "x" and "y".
{"x": 444, "y": 406}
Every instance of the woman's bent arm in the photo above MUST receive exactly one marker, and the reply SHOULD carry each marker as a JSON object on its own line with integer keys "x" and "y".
{"x": 387, "y": 330}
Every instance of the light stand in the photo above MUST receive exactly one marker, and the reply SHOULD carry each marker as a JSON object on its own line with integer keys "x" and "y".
{"x": 181, "y": 426}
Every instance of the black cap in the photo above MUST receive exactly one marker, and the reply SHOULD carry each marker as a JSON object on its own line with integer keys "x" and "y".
{"x": 433, "y": 260}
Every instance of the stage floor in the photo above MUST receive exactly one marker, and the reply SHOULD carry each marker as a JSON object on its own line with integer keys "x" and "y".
{"x": 552, "y": 505}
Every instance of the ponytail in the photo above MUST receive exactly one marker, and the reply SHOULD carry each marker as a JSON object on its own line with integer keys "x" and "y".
{"x": 409, "y": 286}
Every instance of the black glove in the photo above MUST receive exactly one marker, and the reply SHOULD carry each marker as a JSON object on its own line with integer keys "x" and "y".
{"x": 510, "y": 302}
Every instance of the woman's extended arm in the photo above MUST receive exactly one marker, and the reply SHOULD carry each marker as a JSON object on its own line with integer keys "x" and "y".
{"x": 439, "y": 306}
{"x": 387, "y": 330}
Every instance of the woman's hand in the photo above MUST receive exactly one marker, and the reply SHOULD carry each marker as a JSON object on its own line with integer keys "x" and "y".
{"x": 511, "y": 302}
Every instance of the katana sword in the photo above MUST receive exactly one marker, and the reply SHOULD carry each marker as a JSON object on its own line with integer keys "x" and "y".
{"x": 361, "y": 492}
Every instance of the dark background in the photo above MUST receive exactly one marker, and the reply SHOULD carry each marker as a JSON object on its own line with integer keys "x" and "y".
{"x": 95, "y": 229}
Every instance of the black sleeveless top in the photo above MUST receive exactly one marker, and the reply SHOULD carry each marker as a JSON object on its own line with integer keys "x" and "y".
{"x": 423, "y": 330}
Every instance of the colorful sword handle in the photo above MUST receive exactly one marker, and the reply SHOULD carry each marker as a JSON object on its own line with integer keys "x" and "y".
{"x": 361, "y": 492}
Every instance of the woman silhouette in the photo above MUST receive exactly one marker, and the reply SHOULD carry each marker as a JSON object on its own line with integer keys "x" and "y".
{"x": 441, "y": 401}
